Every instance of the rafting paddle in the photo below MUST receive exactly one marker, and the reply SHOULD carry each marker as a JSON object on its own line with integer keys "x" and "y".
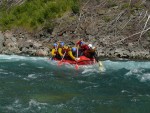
{"x": 100, "y": 64}
{"x": 76, "y": 66}
{"x": 60, "y": 63}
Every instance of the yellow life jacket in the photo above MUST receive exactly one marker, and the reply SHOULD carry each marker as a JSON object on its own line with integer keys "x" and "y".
{"x": 53, "y": 52}
{"x": 63, "y": 50}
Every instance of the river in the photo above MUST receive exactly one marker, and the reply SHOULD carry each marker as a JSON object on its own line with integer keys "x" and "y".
{"x": 38, "y": 85}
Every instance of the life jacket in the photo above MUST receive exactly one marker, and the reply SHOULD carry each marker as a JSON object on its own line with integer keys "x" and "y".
{"x": 90, "y": 53}
{"x": 66, "y": 50}
{"x": 54, "y": 51}
{"x": 84, "y": 47}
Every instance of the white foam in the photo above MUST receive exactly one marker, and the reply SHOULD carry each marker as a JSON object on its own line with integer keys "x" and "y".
{"x": 140, "y": 74}
{"x": 18, "y": 58}
{"x": 15, "y": 105}
{"x": 145, "y": 77}
{"x": 5, "y": 72}
{"x": 81, "y": 81}
{"x": 115, "y": 65}
{"x": 22, "y": 64}
{"x": 33, "y": 76}
{"x": 124, "y": 91}
{"x": 108, "y": 65}
{"x": 87, "y": 71}
{"x": 1, "y": 70}
{"x": 134, "y": 72}
{"x": 61, "y": 105}
{"x": 33, "y": 102}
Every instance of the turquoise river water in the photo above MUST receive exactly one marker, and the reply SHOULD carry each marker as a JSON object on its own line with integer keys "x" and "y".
{"x": 38, "y": 85}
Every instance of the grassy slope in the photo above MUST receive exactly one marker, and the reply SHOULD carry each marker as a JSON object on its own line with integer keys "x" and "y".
{"x": 34, "y": 14}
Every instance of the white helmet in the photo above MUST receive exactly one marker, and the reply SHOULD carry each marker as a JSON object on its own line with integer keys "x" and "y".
{"x": 90, "y": 45}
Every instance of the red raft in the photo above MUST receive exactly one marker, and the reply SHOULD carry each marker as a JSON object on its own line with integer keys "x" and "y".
{"x": 83, "y": 61}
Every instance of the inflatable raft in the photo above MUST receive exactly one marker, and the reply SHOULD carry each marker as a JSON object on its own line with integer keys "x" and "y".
{"x": 83, "y": 61}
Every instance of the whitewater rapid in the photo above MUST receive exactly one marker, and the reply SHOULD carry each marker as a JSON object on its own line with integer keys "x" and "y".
{"x": 39, "y": 85}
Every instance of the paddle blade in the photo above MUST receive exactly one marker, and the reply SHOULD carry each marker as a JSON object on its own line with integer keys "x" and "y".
{"x": 76, "y": 67}
{"x": 101, "y": 67}
{"x": 94, "y": 61}
{"x": 60, "y": 63}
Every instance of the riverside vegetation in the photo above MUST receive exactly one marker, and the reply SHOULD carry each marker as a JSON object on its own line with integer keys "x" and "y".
{"x": 34, "y": 14}
{"x": 116, "y": 28}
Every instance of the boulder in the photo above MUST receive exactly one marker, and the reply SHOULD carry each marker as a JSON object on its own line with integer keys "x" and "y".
{"x": 37, "y": 44}
{"x": 42, "y": 52}
{"x": 8, "y": 34}
{"x": 23, "y": 43}
{"x": 122, "y": 53}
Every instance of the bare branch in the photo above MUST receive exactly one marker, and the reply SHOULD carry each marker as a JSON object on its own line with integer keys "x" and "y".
{"x": 130, "y": 36}
{"x": 129, "y": 3}
{"x": 79, "y": 19}
{"x": 144, "y": 28}
{"x": 143, "y": 17}
{"x": 127, "y": 23}
{"x": 118, "y": 17}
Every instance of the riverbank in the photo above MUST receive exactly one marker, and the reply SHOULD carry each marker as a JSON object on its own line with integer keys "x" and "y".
{"x": 24, "y": 43}
{"x": 118, "y": 30}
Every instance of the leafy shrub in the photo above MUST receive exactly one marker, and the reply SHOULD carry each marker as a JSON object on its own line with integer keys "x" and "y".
{"x": 35, "y": 13}
{"x": 75, "y": 7}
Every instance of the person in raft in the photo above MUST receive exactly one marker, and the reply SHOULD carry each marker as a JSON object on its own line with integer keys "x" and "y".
{"x": 54, "y": 50}
{"x": 82, "y": 47}
{"x": 68, "y": 53}
{"x": 73, "y": 54}
{"x": 91, "y": 52}
{"x": 61, "y": 49}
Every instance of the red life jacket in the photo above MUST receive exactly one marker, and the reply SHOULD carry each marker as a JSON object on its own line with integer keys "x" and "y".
{"x": 86, "y": 53}
{"x": 89, "y": 53}
{"x": 84, "y": 47}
